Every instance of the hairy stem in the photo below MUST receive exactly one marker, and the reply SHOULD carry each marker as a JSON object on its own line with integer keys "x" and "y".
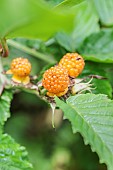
{"x": 32, "y": 52}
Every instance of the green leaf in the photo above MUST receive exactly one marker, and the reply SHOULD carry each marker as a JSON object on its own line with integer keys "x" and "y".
{"x": 98, "y": 47}
{"x": 84, "y": 25}
{"x": 92, "y": 116}
{"x": 69, "y": 3}
{"x": 110, "y": 74}
{"x": 5, "y": 101}
{"x": 54, "y": 2}
{"x": 65, "y": 41}
{"x": 105, "y": 11}
{"x": 103, "y": 84}
{"x": 12, "y": 155}
{"x": 31, "y": 19}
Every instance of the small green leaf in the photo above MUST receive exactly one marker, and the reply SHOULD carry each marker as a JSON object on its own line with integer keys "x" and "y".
{"x": 105, "y": 11}
{"x": 5, "y": 101}
{"x": 92, "y": 116}
{"x": 98, "y": 47}
{"x": 12, "y": 155}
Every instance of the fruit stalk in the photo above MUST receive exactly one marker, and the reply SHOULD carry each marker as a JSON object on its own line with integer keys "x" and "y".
{"x": 4, "y": 51}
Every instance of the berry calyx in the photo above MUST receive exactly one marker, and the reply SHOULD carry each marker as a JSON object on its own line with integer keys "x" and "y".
{"x": 20, "y": 68}
{"x": 56, "y": 81}
{"x": 73, "y": 62}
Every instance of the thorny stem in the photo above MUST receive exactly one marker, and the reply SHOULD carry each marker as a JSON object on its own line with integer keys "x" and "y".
{"x": 30, "y": 51}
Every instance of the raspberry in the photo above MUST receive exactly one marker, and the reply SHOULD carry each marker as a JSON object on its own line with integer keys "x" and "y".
{"x": 56, "y": 81}
{"x": 73, "y": 62}
{"x": 21, "y": 67}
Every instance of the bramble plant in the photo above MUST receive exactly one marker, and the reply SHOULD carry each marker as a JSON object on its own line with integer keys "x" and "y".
{"x": 61, "y": 52}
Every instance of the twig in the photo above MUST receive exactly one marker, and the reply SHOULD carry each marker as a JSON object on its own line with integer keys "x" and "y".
{"x": 32, "y": 52}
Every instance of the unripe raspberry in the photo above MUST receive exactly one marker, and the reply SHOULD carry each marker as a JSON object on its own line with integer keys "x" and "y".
{"x": 56, "y": 81}
{"x": 21, "y": 67}
{"x": 73, "y": 62}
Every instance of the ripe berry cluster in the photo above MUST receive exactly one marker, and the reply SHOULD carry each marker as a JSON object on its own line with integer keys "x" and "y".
{"x": 73, "y": 62}
{"x": 21, "y": 67}
{"x": 56, "y": 80}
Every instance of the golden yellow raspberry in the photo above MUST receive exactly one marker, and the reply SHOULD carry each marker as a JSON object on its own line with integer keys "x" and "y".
{"x": 20, "y": 68}
{"x": 73, "y": 62}
{"x": 56, "y": 81}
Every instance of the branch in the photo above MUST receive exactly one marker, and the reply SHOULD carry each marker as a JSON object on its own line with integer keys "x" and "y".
{"x": 32, "y": 52}
{"x": 3, "y": 79}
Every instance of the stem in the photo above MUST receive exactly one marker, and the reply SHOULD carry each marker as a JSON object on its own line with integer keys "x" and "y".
{"x": 22, "y": 88}
{"x": 1, "y": 68}
{"x": 53, "y": 106}
{"x": 4, "y": 48}
{"x": 3, "y": 79}
{"x": 31, "y": 51}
